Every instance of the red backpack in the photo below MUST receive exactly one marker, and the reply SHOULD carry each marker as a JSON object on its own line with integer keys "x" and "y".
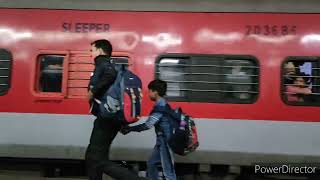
{"x": 132, "y": 96}
{"x": 124, "y": 97}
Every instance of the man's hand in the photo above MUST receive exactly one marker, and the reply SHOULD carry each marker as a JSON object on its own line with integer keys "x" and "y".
{"x": 90, "y": 95}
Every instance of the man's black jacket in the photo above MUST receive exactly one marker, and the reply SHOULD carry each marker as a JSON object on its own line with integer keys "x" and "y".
{"x": 103, "y": 76}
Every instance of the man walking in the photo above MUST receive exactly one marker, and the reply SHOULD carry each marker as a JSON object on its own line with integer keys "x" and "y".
{"x": 104, "y": 130}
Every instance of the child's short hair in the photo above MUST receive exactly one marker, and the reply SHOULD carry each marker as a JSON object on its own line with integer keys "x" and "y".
{"x": 159, "y": 86}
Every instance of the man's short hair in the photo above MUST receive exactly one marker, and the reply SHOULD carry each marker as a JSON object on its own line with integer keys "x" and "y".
{"x": 159, "y": 86}
{"x": 105, "y": 45}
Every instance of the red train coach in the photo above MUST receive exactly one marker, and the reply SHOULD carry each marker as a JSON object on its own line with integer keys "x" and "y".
{"x": 232, "y": 71}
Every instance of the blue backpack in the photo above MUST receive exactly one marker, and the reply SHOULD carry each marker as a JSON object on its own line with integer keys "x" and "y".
{"x": 123, "y": 98}
{"x": 184, "y": 138}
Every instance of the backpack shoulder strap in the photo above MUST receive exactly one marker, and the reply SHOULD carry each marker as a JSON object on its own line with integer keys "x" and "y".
{"x": 166, "y": 110}
{"x": 161, "y": 109}
{"x": 122, "y": 88}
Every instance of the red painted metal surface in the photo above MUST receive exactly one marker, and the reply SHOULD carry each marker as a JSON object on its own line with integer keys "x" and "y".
{"x": 142, "y": 36}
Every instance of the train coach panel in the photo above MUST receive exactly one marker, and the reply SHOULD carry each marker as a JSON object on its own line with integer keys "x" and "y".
{"x": 230, "y": 71}
{"x": 61, "y": 31}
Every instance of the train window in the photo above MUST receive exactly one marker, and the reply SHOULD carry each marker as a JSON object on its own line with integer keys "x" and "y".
{"x": 209, "y": 78}
{"x": 5, "y": 70}
{"x": 301, "y": 81}
{"x": 51, "y": 70}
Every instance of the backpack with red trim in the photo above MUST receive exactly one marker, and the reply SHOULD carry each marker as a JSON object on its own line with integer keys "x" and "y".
{"x": 184, "y": 138}
{"x": 123, "y": 98}
{"x": 131, "y": 88}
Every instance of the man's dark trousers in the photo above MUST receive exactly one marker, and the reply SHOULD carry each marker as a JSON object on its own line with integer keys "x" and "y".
{"x": 97, "y": 154}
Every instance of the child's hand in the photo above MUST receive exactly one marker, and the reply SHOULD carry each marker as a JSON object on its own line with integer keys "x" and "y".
{"x": 125, "y": 130}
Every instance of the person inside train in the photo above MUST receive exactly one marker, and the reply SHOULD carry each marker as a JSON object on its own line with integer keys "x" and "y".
{"x": 104, "y": 130}
{"x": 239, "y": 75}
{"x": 162, "y": 153}
{"x": 297, "y": 91}
{"x": 290, "y": 71}
{"x": 51, "y": 74}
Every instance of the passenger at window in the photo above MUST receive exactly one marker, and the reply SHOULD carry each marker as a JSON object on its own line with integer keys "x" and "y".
{"x": 297, "y": 91}
{"x": 290, "y": 71}
{"x": 238, "y": 75}
{"x": 51, "y": 74}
